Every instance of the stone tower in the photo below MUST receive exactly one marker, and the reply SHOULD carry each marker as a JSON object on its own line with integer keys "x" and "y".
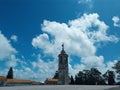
{"x": 63, "y": 77}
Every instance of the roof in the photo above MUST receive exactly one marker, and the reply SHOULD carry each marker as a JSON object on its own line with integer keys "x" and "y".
{"x": 36, "y": 83}
{"x": 18, "y": 81}
{"x": 22, "y": 81}
{"x": 51, "y": 80}
{"x": 2, "y": 78}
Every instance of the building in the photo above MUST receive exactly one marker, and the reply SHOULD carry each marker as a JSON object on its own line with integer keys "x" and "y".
{"x": 2, "y": 81}
{"x": 63, "y": 77}
{"x": 51, "y": 81}
{"x": 18, "y": 82}
{"x": 37, "y": 83}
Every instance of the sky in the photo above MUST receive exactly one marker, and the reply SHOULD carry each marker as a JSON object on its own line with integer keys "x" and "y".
{"x": 32, "y": 32}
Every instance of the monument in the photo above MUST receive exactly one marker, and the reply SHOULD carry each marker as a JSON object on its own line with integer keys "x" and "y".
{"x": 63, "y": 77}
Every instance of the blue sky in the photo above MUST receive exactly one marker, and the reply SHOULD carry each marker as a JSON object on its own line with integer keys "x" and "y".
{"x": 32, "y": 31}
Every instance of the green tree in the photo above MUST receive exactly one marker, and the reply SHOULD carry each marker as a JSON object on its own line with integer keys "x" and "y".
{"x": 56, "y": 75}
{"x": 72, "y": 82}
{"x": 86, "y": 77}
{"x": 95, "y": 74}
{"x": 92, "y": 76}
{"x": 76, "y": 80}
{"x": 80, "y": 78}
{"x": 89, "y": 77}
{"x": 110, "y": 77}
{"x": 10, "y": 73}
{"x": 117, "y": 69}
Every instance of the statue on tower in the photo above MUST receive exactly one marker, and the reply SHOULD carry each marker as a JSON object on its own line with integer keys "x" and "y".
{"x": 63, "y": 46}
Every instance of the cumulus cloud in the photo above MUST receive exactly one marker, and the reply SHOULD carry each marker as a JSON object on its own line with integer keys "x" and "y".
{"x": 37, "y": 71}
{"x": 7, "y": 52}
{"x": 6, "y": 49}
{"x": 80, "y": 32}
{"x": 12, "y": 62}
{"x": 116, "y": 21}
{"x": 80, "y": 37}
{"x": 73, "y": 70}
{"x": 44, "y": 69}
{"x": 26, "y": 73}
{"x": 14, "y": 38}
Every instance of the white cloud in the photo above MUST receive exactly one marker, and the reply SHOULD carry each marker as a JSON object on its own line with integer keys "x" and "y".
{"x": 116, "y": 21}
{"x": 80, "y": 32}
{"x": 7, "y": 55}
{"x": 80, "y": 37}
{"x": 7, "y": 52}
{"x": 6, "y": 49}
{"x": 110, "y": 64}
{"x": 89, "y": 3}
{"x": 14, "y": 38}
{"x": 45, "y": 69}
{"x": 84, "y": 1}
{"x": 24, "y": 73}
{"x": 37, "y": 70}
{"x": 93, "y": 28}
{"x": 3, "y": 72}
{"x": 73, "y": 70}
{"x": 12, "y": 62}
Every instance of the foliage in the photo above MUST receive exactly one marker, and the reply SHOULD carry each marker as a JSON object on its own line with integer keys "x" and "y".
{"x": 72, "y": 82}
{"x": 89, "y": 77}
{"x": 117, "y": 69}
{"x": 109, "y": 76}
{"x": 10, "y": 73}
{"x": 56, "y": 75}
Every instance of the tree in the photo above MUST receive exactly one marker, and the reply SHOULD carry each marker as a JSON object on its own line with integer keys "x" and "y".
{"x": 86, "y": 77}
{"x": 95, "y": 74}
{"x": 109, "y": 77}
{"x": 72, "y": 82}
{"x": 117, "y": 68}
{"x": 56, "y": 75}
{"x": 80, "y": 77}
{"x": 101, "y": 81}
{"x": 10, "y": 73}
{"x": 76, "y": 80}
{"x": 92, "y": 76}
{"x": 89, "y": 77}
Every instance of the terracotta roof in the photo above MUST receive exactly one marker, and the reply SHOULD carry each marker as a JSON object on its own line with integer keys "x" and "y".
{"x": 18, "y": 81}
{"x": 51, "y": 80}
{"x": 36, "y": 83}
{"x": 2, "y": 78}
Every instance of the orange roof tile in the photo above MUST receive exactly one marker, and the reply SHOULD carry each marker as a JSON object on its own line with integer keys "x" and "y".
{"x": 2, "y": 78}
{"x": 51, "y": 80}
{"x": 18, "y": 81}
{"x": 36, "y": 83}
